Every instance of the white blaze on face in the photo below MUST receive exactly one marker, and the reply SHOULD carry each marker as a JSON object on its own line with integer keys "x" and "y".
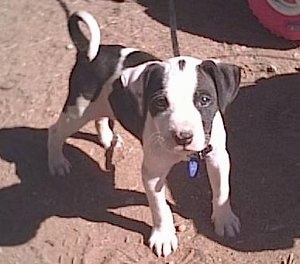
{"x": 180, "y": 88}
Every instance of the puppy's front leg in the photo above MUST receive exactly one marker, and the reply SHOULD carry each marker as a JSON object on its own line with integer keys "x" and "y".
{"x": 218, "y": 167}
{"x": 163, "y": 237}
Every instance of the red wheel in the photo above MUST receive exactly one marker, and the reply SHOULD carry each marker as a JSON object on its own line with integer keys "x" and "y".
{"x": 281, "y": 17}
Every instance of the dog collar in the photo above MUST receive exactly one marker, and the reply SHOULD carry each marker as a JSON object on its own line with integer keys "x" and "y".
{"x": 195, "y": 159}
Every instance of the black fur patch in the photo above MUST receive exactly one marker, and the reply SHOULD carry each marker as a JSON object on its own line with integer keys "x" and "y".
{"x": 221, "y": 83}
{"x": 206, "y": 99}
{"x": 87, "y": 78}
{"x": 131, "y": 104}
{"x": 181, "y": 64}
{"x": 227, "y": 80}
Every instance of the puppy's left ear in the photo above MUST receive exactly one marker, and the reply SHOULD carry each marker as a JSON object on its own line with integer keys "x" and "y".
{"x": 227, "y": 79}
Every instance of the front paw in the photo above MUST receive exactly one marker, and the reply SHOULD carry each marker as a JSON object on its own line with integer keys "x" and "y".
{"x": 226, "y": 222}
{"x": 163, "y": 242}
{"x": 59, "y": 166}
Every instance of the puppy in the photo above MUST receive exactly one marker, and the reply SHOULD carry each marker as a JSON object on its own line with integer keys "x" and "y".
{"x": 174, "y": 107}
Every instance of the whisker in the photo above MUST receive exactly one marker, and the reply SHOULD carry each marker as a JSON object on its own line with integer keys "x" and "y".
{"x": 156, "y": 138}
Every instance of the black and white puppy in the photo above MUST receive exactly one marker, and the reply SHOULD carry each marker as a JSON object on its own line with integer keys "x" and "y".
{"x": 173, "y": 107}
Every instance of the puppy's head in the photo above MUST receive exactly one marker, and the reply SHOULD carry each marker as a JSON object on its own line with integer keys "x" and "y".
{"x": 180, "y": 99}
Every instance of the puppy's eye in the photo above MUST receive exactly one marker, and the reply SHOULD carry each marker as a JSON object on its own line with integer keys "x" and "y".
{"x": 204, "y": 100}
{"x": 161, "y": 102}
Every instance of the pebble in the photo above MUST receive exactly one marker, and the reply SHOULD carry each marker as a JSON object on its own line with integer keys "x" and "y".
{"x": 271, "y": 69}
{"x": 70, "y": 47}
{"x": 126, "y": 239}
{"x": 296, "y": 55}
{"x": 181, "y": 228}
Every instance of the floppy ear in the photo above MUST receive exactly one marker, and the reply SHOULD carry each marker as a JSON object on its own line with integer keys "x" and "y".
{"x": 141, "y": 82}
{"x": 130, "y": 96}
{"x": 227, "y": 80}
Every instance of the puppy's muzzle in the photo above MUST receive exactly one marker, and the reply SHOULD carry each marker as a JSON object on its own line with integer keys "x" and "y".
{"x": 184, "y": 137}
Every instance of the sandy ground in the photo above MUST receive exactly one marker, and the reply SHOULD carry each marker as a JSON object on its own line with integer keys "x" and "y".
{"x": 95, "y": 216}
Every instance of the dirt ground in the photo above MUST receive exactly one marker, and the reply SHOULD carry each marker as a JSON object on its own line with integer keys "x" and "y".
{"x": 95, "y": 216}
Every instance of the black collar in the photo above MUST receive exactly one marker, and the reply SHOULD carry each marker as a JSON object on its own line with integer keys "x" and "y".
{"x": 195, "y": 160}
{"x": 203, "y": 153}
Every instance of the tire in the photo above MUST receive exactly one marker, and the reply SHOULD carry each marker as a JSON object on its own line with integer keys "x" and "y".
{"x": 281, "y": 19}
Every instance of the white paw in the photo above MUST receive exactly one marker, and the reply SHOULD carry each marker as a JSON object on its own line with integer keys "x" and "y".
{"x": 226, "y": 223}
{"x": 59, "y": 166}
{"x": 163, "y": 242}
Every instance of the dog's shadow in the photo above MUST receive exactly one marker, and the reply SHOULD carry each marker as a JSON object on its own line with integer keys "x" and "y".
{"x": 263, "y": 127}
{"x": 88, "y": 192}
{"x": 223, "y": 21}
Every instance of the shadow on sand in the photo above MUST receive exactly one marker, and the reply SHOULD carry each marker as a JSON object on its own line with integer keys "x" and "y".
{"x": 263, "y": 127}
{"x": 263, "y": 138}
{"x": 88, "y": 192}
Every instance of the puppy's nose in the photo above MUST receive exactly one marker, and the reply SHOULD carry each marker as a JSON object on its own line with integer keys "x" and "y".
{"x": 184, "y": 137}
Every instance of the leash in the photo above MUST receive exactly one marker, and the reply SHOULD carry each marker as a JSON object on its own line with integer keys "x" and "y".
{"x": 173, "y": 28}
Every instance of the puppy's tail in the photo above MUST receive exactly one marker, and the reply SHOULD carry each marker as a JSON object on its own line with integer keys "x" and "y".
{"x": 90, "y": 47}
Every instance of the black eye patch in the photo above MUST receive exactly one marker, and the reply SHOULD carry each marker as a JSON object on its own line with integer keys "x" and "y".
{"x": 158, "y": 103}
{"x": 206, "y": 103}
{"x": 202, "y": 99}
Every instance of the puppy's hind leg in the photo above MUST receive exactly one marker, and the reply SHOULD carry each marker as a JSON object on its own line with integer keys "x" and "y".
{"x": 108, "y": 139}
{"x": 57, "y": 134}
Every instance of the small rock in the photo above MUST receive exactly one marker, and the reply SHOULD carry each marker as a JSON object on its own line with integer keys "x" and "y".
{"x": 181, "y": 228}
{"x": 296, "y": 55}
{"x": 141, "y": 240}
{"x": 243, "y": 48}
{"x": 271, "y": 69}
{"x": 297, "y": 68}
{"x": 70, "y": 47}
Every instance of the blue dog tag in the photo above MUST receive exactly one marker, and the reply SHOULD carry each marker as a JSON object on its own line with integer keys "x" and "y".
{"x": 193, "y": 167}
{"x": 194, "y": 161}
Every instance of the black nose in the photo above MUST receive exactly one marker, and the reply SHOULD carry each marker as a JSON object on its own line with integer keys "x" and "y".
{"x": 184, "y": 137}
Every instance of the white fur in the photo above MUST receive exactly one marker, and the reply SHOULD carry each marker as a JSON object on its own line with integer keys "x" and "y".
{"x": 180, "y": 87}
{"x": 94, "y": 31}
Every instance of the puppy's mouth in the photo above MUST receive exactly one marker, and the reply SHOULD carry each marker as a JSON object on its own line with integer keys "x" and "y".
{"x": 184, "y": 148}
{"x": 188, "y": 148}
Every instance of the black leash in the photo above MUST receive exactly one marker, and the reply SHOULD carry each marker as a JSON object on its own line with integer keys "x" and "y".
{"x": 173, "y": 28}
